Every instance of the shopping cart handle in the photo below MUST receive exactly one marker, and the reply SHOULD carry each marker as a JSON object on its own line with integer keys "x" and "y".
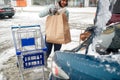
{"x": 15, "y": 27}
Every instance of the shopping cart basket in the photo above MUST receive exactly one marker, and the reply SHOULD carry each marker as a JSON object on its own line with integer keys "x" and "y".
{"x": 30, "y": 48}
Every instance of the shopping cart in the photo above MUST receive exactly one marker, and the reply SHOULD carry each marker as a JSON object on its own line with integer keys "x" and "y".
{"x": 30, "y": 48}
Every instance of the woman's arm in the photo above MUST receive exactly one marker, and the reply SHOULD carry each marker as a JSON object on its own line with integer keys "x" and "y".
{"x": 67, "y": 14}
{"x": 46, "y": 11}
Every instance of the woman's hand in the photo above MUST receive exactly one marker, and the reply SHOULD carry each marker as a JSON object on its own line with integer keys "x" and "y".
{"x": 53, "y": 11}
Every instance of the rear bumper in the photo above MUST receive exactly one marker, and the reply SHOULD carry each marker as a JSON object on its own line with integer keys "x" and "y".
{"x": 7, "y": 14}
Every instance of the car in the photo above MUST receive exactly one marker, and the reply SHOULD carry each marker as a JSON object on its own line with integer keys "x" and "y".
{"x": 6, "y": 11}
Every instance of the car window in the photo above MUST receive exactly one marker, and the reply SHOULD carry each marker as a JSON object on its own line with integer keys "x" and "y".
{"x": 116, "y": 8}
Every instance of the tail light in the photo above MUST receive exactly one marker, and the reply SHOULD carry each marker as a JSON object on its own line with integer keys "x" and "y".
{"x": 1, "y": 10}
{"x": 58, "y": 72}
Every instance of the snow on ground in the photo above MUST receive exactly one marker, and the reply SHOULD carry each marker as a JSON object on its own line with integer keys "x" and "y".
{"x": 2, "y": 77}
{"x": 4, "y": 57}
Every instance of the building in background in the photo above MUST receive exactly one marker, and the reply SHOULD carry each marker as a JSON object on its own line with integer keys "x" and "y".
{"x": 71, "y": 3}
{"x": 21, "y": 3}
{"x": 92, "y": 3}
{"x": 1, "y": 2}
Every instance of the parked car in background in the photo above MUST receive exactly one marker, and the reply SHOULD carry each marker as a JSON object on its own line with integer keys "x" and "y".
{"x": 6, "y": 11}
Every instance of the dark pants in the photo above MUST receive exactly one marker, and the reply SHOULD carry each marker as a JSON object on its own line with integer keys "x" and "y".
{"x": 50, "y": 45}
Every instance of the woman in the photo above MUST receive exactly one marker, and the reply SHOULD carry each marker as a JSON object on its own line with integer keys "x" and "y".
{"x": 51, "y": 10}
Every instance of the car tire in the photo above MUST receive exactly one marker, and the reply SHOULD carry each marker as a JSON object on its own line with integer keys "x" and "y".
{"x": 10, "y": 16}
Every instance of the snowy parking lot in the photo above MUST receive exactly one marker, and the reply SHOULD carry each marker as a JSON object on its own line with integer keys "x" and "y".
{"x": 8, "y": 68}
{"x": 79, "y": 19}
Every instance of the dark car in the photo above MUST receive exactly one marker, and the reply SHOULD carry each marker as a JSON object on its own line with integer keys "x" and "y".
{"x": 6, "y": 11}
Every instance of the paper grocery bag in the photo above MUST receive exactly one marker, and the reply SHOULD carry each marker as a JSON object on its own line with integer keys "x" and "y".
{"x": 57, "y": 29}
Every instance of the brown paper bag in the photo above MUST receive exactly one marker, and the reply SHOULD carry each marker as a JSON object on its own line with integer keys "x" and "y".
{"x": 85, "y": 35}
{"x": 57, "y": 29}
